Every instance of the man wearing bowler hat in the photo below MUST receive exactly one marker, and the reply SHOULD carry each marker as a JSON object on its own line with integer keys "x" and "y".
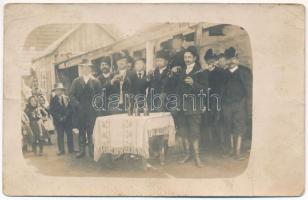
{"x": 61, "y": 111}
{"x": 237, "y": 100}
{"x": 83, "y": 90}
{"x": 216, "y": 77}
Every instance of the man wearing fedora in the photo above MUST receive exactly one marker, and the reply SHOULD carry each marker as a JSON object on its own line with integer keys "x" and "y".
{"x": 61, "y": 111}
{"x": 237, "y": 100}
{"x": 83, "y": 89}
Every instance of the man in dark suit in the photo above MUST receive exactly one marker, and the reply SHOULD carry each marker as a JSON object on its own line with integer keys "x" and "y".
{"x": 61, "y": 111}
{"x": 105, "y": 81}
{"x": 159, "y": 79}
{"x": 191, "y": 83}
{"x": 237, "y": 100}
{"x": 83, "y": 90}
{"x": 216, "y": 77}
{"x": 120, "y": 86}
{"x": 158, "y": 91}
{"x": 139, "y": 85}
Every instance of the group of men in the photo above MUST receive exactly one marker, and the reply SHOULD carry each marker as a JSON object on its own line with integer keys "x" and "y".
{"x": 176, "y": 84}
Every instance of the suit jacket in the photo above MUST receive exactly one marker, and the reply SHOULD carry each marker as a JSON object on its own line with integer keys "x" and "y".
{"x": 61, "y": 110}
{"x": 245, "y": 79}
{"x": 189, "y": 95}
{"x": 139, "y": 86}
{"x": 159, "y": 86}
{"x": 177, "y": 59}
{"x": 115, "y": 90}
{"x": 81, "y": 95}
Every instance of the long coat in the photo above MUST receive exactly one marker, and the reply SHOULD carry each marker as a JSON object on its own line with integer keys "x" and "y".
{"x": 61, "y": 110}
{"x": 81, "y": 95}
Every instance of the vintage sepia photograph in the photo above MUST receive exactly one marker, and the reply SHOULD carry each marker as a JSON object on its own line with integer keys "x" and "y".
{"x": 111, "y": 95}
{"x": 171, "y": 99}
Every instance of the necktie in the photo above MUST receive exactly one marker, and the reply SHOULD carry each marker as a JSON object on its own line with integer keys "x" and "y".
{"x": 139, "y": 75}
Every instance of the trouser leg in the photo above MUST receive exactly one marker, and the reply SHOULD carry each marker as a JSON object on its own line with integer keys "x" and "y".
{"x": 40, "y": 144}
{"x": 60, "y": 138}
{"x": 69, "y": 136}
{"x": 194, "y": 122}
{"x": 82, "y": 140}
{"x": 90, "y": 128}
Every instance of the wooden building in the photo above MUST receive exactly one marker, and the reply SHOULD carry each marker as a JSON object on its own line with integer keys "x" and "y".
{"x": 145, "y": 44}
{"x": 78, "y": 39}
{"x": 60, "y": 61}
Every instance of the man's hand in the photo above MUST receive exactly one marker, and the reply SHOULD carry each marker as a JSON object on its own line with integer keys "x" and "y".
{"x": 75, "y": 131}
{"x": 189, "y": 80}
{"x": 175, "y": 69}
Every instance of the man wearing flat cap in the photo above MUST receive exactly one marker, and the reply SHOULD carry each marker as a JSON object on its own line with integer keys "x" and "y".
{"x": 83, "y": 90}
{"x": 190, "y": 83}
{"x": 237, "y": 100}
{"x": 216, "y": 78}
{"x": 61, "y": 111}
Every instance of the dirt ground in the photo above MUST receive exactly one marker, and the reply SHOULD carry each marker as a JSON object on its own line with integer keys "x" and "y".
{"x": 216, "y": 166}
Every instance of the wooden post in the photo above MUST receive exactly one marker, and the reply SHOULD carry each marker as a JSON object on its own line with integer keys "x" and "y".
{"x": 149, "y": 55}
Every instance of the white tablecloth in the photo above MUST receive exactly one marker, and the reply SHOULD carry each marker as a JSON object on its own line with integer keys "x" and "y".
{"x": 118, "y": 134}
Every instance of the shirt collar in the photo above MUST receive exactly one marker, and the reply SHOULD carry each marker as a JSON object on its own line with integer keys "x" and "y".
{"x": 212, "y": 68}
{"x": 190, "y": 67}
{"x": 87, "y": 77}
{"x": 232, "y": 70}
{"x": 141, "y": 72}
{"x": 161, "y": 70}
{"x": 106, "y": 75}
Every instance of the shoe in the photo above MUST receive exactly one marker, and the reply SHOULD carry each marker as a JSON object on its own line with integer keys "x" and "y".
{"x": 40, "y": 154}
{"x": 198, "y": 161}
{"x": 185, "y": 159}
{"x": 60, "y": 153}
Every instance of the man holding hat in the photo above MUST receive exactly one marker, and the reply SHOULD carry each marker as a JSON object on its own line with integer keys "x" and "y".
{"x": 190, "y": 83}
{"x": 237, "y": 100}
{"x": 83, "y": 90}
{"x": 61, "y": 111}
{"x": 216, "y": 77}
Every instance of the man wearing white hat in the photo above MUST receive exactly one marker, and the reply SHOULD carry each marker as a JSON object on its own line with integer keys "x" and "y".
{"x": 82, "y": 92}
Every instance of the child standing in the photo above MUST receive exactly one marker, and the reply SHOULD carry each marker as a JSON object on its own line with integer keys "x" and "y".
{"x": 35, "y": 114}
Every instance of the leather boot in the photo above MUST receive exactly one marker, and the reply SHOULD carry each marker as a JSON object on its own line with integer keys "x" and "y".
{"x": 197, "y": 153}
{"x": 187, "y": 152}
{"x": 82, "y": 151}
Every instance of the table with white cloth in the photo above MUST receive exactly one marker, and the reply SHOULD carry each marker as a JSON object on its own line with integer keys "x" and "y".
{"x": 119, "y": 134}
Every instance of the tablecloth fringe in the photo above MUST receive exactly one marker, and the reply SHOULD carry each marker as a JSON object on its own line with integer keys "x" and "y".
{"x": 122, "y": 150}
